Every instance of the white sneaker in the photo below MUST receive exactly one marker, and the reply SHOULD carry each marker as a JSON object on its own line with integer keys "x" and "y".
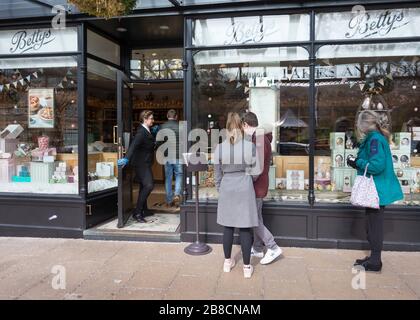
{"x": 248, "y": 270}
{"x": 228, "y": 265}
{"x": 256, "y": 254}
{"x": 271, "y": 255}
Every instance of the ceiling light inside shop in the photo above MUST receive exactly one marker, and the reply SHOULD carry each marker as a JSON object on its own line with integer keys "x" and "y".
{"x": 154, "y": 54}
{"x": 121, "y": 29}
{"x": 163, "y": 27}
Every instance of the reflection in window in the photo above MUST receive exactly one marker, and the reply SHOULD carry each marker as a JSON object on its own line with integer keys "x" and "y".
{"x": 350, "y": 78}
{"x": 38, "y": 120}
{"x": 101, "y": 126}
{"x": 155, "y": 64}
{"x": 273, "y": 83}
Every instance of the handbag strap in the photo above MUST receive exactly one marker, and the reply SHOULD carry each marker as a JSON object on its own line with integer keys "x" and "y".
{"x": 366, "y": 169}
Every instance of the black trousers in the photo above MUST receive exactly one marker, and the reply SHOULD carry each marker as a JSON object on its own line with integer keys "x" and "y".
{"x": 375, "y": 232}
{"x": 246, "y": 238}
{"x": 145, "y": 177}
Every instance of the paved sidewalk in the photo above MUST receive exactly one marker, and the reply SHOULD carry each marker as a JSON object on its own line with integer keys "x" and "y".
{"x": 133, "y": 270}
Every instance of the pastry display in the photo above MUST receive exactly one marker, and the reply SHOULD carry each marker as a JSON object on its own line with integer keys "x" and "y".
{"x": 46, "y": 114}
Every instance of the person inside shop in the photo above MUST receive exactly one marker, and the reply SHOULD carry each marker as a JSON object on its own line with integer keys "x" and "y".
{"x": 140, "y": 156}
{"x": 172, "y": 164}
{"x": 263, "y": 238}
{"x": 375, "y": 157}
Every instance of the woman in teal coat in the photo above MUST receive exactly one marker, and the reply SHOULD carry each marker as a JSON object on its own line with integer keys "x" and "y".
{"x": 374, "y": 150}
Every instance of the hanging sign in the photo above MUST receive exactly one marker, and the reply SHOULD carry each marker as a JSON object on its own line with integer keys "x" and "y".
{"x": 43, "y": 40}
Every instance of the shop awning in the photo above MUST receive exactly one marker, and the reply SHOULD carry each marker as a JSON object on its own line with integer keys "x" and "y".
{"x": 12, "y": 9}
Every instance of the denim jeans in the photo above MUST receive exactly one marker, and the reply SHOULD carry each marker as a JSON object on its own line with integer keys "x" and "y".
{"x": 170, "y": 170}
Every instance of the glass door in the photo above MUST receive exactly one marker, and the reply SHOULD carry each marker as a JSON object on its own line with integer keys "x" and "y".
{"x": 124, "y": 130}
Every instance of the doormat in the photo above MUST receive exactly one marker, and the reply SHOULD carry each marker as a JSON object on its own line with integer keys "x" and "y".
{"x": 159, "y": 222}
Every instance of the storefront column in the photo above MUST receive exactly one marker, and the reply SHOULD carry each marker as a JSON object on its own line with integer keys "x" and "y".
{"x": 81, "y": 80}
{"x": 312, "y": 123}
{"x": 187, "y": 66}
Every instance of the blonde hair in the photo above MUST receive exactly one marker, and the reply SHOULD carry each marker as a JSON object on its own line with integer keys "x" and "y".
{"x": 234, "y": 127}
{"x": 369, "y": 120}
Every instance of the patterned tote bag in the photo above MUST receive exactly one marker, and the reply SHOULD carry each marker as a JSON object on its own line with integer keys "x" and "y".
{"x": 364, "y": 193}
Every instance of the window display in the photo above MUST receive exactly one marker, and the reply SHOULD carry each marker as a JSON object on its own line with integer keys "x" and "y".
{"x": 101, "y": 126}
{"x": 38, "y": 123}
{"x": 271, "y": 82}
{"x": 349, "y": 81}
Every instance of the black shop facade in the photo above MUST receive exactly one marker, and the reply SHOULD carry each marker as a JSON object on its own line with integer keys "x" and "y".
{"x": 71, "y": 98}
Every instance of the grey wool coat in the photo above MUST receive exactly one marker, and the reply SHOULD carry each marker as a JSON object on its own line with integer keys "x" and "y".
{"x": 234, "y": 174}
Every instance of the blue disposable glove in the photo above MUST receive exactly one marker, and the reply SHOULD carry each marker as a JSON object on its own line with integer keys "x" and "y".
{"x": 154, "y": 130}
{"x": 122, "y": 162}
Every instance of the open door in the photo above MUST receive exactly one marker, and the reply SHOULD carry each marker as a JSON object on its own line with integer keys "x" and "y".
{"x": 124, "y": 130}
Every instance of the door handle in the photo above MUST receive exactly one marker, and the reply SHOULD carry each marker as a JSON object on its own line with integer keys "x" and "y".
{"x": 114, "y": 134}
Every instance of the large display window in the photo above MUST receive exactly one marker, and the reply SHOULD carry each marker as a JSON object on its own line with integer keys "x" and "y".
{"x": 271, "y": 82}
{"x": 351, "y": 78}
{"x": 38, "y": 124}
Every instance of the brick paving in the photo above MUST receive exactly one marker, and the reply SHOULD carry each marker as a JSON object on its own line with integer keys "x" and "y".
{"x": 137, "y": 270}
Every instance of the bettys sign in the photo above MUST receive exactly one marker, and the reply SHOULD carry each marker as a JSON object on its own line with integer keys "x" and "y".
{"x": 251, "y": 30}
{"x": 41, "y": 40}
{"x": 387, "y": 23}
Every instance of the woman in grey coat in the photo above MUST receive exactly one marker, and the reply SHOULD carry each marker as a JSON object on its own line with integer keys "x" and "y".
{"x": 234, "y": 169}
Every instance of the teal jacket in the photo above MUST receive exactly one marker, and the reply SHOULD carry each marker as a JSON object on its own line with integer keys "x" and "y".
{"x": 375, "y": 150}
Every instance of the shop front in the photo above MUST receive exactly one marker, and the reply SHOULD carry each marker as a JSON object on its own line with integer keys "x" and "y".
{"x": 309, "y": 74}
{"x": 70, "y": 101}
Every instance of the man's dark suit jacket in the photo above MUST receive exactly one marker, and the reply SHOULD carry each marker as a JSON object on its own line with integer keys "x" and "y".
{"x": 141, "y": 150}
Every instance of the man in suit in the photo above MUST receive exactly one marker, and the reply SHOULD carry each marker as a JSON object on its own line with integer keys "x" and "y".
{"x": 140, "y": 155}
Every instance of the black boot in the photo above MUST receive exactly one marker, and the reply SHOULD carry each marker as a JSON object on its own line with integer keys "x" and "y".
{"x": 147, "y": 213}
{"x": 139, "y": 218}
{"x": 368, "y": 266}
{"x": 360, "y": 261}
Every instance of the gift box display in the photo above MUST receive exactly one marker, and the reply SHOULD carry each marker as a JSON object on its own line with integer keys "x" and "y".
{"x": 343, "y": 178}
{"x": 12, "y": 131}
{"x": 105, "y": 170}
{"x": 8, "y": 145}
{"x": 60, "y": 173}
{"x": 7, "y": 169}
{"x": 407, "y": 179}
{"x": 403, "y": 141}
{"x": 401, "y": 159}
{"x": 22, "y": 173}
{"x": 295, "y": 180}
{"x": 272, "y": 178}
{"x": 337, "y": 141}
{"x": 42, "y": 172}
{"x": 337, "y": 158}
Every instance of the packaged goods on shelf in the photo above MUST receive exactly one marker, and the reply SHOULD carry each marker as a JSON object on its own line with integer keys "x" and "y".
{"x": 7, "y": 169}
{"x": 42, "y": 172}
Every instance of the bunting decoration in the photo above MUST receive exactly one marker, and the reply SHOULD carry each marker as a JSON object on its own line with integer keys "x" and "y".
{"x": 26, "y": 81}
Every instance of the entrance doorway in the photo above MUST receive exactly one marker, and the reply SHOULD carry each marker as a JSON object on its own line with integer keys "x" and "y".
{"x": 133, "y": 97}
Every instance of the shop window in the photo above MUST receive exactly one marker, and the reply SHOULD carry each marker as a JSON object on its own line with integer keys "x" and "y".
{"x": 153, "y": 64}
{"x": 351, "y": 78}
{"x": 101, "y": 126}
{"x": 271, "y": 82}
{"x": 38, "y": 124}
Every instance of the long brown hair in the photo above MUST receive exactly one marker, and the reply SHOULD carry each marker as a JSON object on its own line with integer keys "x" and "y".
{"x": 369, "y": 120}
{"x": 234, "y": 127}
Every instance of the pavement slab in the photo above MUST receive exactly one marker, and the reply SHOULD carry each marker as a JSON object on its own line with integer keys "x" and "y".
{"x": 75, "y": 269}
